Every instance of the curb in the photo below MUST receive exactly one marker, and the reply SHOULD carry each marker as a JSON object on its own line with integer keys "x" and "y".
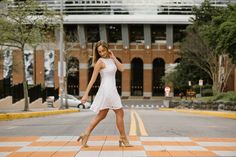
{"x": 231, "y": 115}
{"x": 11, "y": 116}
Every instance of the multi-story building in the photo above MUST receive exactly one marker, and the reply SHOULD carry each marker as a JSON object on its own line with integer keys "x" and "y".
{"x": 143, "y": 34}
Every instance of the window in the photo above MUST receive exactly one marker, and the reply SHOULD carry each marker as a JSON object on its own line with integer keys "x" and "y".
{"x": 92, "y": 33}
{"x": 114, "y": 33}
{"x": 136, "y": 33}
{"x": 158, "y": 33}
{"x": 71, "y": 33}
{"x": 179, "y": 32}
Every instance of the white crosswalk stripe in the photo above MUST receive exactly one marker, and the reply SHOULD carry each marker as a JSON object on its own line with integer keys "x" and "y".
{"x": 142, "y": 106}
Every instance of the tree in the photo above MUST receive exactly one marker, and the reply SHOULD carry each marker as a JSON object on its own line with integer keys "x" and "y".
{"x": 186, "y": 71}
{"x": 198, "y": 52}
{"x": 204, "y": 46}
{"x": 226, "y": 34}
{"x": 226, "y": 31}
{"x": 70, "y": 41}
{"x": 221, "y": 35}
{"x": 24, "y": 23}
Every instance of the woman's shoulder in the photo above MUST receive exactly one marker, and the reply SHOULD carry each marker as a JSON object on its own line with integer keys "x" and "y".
{"x": 100, "y": 63}
{"x": 100, "y": 60}
{"x": 104, "y": 60}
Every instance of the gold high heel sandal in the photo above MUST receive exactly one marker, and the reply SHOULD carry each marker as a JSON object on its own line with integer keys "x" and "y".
{"x": 123, "y": 140}
{"x": 84, "y": 139}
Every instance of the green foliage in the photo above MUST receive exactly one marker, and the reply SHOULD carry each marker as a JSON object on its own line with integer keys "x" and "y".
{"x": 218, "y": 27}
{"x": 226, "y": 96}
{"x": 169, "y": 78}
{"x": 207, "y": 92}
{"x": 186, "y": 71}
{"x": 212, "y": 34}
{"x": 205, "y": 13}
{"x": 225, "y": 25}
{"x": 196, "y": 88}
{"x": 25, "y": 23}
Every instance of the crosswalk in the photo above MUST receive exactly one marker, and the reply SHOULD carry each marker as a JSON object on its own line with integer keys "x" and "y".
{"x": 143, "y": 106}
{"x": 104, "y": 146}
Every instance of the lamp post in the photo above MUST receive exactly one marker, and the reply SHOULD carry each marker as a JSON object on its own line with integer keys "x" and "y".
{"x": 61, "y": 73}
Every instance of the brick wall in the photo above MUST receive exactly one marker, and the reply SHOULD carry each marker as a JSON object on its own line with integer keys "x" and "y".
{"x": 17, "y": 67}
{"x": 125, "y": 55}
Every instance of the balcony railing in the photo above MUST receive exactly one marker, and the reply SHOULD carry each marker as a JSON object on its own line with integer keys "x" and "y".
{"x": 128, "y": 7}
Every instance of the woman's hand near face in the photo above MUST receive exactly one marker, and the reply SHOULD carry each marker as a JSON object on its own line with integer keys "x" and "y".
{"x": 111, "y": 54}
{"x": 119, "y": 65}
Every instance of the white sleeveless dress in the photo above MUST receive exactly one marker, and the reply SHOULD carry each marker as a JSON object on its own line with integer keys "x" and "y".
{"x": 107, "y": 96}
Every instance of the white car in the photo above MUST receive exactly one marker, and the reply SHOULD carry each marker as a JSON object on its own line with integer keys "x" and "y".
{"x": 74, "y": 102}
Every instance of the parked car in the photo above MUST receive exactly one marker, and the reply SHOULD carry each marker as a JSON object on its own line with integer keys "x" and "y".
{"x": 74, "y": 102}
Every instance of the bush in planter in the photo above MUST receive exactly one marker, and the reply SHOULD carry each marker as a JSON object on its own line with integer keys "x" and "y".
{"x": 196, "y": 88}
{"x": 206, "y": 89}
{"x": 226, "y": 96}
{"x": 231, "y": 96}
{"x": 207, "y": 92}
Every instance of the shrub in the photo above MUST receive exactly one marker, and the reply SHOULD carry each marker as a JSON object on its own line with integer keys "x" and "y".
{"x": 226, "y": 96}
{"x": 207, "y": 92}
{"x": 206, "y": 89}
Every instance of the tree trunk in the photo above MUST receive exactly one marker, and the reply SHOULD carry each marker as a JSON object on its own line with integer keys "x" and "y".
{"x": 65, "y": 87}
{"x": 25, "y": 86}
{"x": 229, "y": 66}
{"x": 214, "y": 87}
{"x": 215, "y": 83}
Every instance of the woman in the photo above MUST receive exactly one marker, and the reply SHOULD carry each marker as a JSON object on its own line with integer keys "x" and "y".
{"x": 107, "y": 96}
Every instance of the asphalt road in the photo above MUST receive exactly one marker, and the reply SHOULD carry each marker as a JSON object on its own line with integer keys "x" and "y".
{"x": 138, "y": 121}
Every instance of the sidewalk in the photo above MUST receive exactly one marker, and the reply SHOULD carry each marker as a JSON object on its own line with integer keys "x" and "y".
{"x": 222, "y": 113}
{"x": 18, "y": 114}
{"x": 107, "y": 146}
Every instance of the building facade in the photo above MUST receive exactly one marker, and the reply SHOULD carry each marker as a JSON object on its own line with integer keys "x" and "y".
{"x": 144, "y": 36}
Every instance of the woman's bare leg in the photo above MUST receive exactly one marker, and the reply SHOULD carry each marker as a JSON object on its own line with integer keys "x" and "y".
{"x": 93, "y": 123}
{"x": 120, "y": 125}
{"x": 120, "y": 121}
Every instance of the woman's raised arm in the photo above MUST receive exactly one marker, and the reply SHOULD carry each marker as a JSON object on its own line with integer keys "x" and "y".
{"x": 119, "y": 65}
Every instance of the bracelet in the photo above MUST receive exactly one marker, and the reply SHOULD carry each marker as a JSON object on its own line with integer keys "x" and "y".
{"x": 116, "y": 60}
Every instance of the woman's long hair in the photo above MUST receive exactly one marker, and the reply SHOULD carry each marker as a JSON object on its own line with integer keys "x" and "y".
{"x": 96, "y": 55}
